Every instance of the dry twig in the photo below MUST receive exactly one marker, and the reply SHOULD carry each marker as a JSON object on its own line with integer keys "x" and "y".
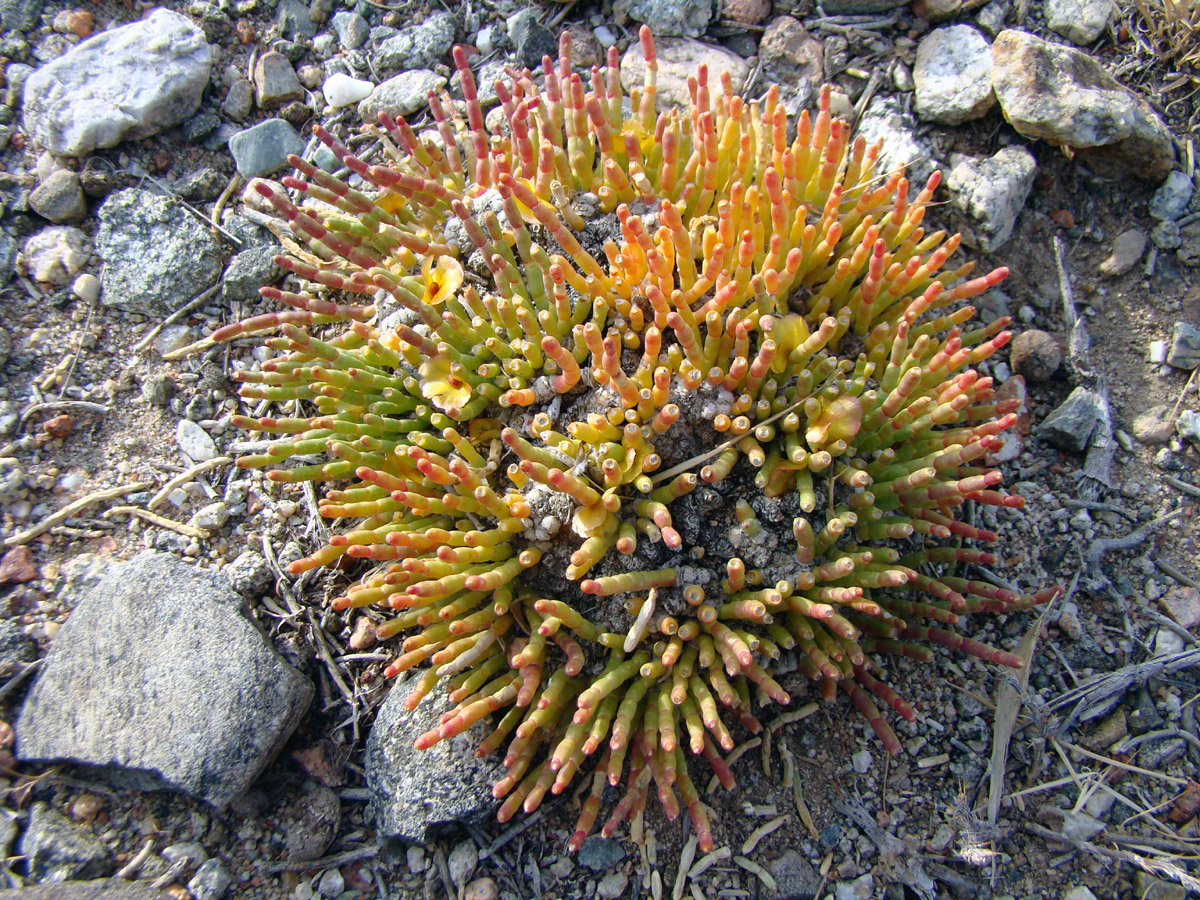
{"x": 184, "y": 477}
{"x": 56, "y": 518}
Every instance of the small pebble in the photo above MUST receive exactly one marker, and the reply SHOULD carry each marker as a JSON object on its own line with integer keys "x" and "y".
{"x": 415, "y": 859}
{"x": 331, "y": 884}
{"x": 1126, "y": 252}
{"x": 462, "y": 862}
{"x": 87, "y": 287}
{"x": 483, "y": 40}
{"x": 1036, "y": 355}
{"x": 612, "y": 885}
{"x": 342, "y": 90}
{"x": 86, "y": 807}
{"x": 1188, "y": 425}
{"x": 482, "y": 889}
{"x": 362, "y": 636}
{"x": 59, "y": 426}
{"x": 194, "y": 441}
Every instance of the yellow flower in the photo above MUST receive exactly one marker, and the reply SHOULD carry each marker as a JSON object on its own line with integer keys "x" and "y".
{"x": 442, "y": 280}
{"x": 440, "y": 385}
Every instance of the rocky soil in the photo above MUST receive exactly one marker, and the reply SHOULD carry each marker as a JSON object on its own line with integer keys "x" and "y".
{"x": 178, "y": 717}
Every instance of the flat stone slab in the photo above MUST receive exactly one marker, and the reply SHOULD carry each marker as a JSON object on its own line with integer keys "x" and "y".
{"x": 123, "y": 84}
{"x": 160, "y": 678}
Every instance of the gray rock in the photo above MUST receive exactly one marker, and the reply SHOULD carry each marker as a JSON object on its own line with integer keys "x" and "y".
{"x": 1166, "y": 235}
{"x": 1126, "y": 252}
{"x": 1156, "y": 754}
{"x": 199, "y": 127}
{"x": 991, "y": 17}
{"x": 531, "y": 38}
{"x": 791, "y": 56}
{"x": 612, "y": 886}
{"x": 264, "y": 148}
{"x": 331, "y": 884}
{"x": 679, "y": 58}
{"x": 250, "y": 270}
{"x": 123, "y": 84}
{"x": 15, "y": 74}
{"x": 326, "y": 159}
{"x": 1035, "y": 355}
{"x": 211, "y": 881}
{"x": 415, "y": 792}
{"x": 795, "y": 877}
{"x": 1188, "y": 425}
{"x": 55, "y": 255}
{"x": 121, "y": 682}
{"x": 1155, "y": 425}
{"x": 194, "y": 441}
{"x": 275, "y": 81}
{"x": 351, "y": 29}
{"x": 8, "y": 257}
{"x": 885, "y": 119}
{"x": 992, "y": 193}
{"x": 202, "y": 184}
{"x": 100, "y": 889}
{"x": 861, "y": 888}
{"x": 1080, "y": 21}
{"x": 15, "y": 648}
{"x": 312, "y": 822}
{"x": 59, "y": 198}
{"x": 293, "y": 19}
{"x": 239, "y": 101}
{"x": 1171, "y": 199}
{"x": 418, "y": 47}
{"x": 952, "y": 76}
{"x": 20, "y": 15}
{"x": 400, "y": 95}
{"x": 56, "y": 849}
{"x": 1071, "y": 425}
{"x": 1185, "y": 346}
{"x": 669, "y": 18}
{"x": 1065, "y": 97}
{"x": 600, "y": 854}
{"x": 156, "y": 255}
{"x": 158, "y": 389}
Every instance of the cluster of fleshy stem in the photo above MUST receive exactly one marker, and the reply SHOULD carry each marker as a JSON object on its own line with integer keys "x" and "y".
{"x": 569, "y": 330}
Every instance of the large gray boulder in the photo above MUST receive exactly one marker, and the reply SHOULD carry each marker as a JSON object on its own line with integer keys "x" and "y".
{"x": 156, "y": 255}
{"x": 1065, "y": 97}
{"x": 414, "y": 792}
{"x": 159, "y": 678}
{"x": 123, "y": 84}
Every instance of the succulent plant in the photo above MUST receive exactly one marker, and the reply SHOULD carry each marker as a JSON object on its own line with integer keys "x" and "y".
{"x": 605, "y": 354}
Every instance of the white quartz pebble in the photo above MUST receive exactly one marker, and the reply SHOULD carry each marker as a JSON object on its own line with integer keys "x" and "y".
{"x": 342, "y": 90}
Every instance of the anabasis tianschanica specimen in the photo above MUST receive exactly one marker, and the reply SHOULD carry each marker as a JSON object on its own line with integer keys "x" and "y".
{"x": 606, "y": 360}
